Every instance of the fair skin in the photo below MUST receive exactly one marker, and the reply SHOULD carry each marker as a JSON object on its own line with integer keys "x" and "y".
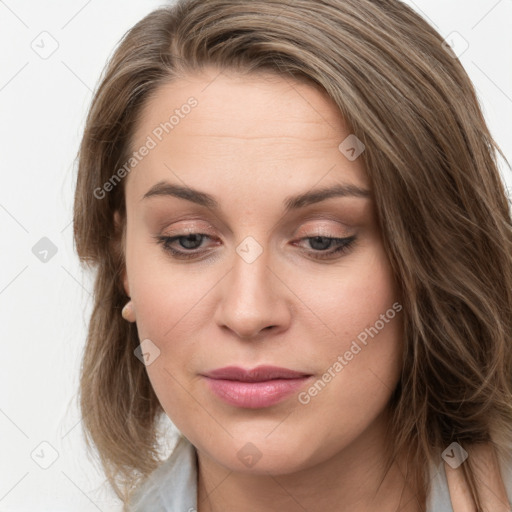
{"x": 251, "y": 142}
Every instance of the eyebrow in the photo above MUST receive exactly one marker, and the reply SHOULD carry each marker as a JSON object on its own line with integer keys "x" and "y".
{"x": 164, "y": 188}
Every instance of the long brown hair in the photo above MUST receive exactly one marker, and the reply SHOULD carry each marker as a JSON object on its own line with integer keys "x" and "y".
{"x": 441, "y": 204}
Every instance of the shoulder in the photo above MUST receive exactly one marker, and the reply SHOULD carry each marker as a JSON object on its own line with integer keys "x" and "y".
{"x": 172, "y": 486}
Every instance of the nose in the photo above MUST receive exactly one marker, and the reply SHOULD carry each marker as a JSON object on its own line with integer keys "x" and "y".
{"x": 253, "y": 300}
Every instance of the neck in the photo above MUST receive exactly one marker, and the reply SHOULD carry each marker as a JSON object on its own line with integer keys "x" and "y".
{"x": 354, "y": 479}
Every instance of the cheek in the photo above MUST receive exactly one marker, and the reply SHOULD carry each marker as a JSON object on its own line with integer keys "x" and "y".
{"x": 166, "y": 295}
{"x": 352, "y": 298}
{"x": 172, "y": 306}
{"x": 362, "y": 354}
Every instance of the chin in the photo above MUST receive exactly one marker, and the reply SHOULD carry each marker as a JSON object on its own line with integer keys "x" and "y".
{"x": 276, "y": 454}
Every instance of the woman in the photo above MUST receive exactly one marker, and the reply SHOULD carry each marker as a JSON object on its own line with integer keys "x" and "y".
{"x": 303, "y": 251}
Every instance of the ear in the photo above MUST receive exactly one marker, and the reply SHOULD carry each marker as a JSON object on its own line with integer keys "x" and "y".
{"x": 119, "y": 241}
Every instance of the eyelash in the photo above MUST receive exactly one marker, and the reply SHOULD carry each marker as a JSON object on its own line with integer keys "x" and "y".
{"x": 343, "y": 246}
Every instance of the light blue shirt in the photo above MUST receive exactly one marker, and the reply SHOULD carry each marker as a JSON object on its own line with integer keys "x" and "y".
{"x": 172, "y": 487}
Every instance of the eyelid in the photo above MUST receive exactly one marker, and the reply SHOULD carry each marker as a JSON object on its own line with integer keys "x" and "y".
{"x": 178, "y": 220}
{"x": 190, "y": 229}
{"x": 322, "y": 223}
{"x": 324, "y": 229}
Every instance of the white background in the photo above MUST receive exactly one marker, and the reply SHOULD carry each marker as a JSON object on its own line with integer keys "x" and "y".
{"x": 44, "y": 307}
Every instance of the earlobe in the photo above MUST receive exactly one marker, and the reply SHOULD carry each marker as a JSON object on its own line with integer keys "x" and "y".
{"x": 128, "y": 312}
{"x": 117, "y": 221}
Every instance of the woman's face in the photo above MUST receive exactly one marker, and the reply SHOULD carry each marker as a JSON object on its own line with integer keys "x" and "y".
{"x": 251, "y": 276}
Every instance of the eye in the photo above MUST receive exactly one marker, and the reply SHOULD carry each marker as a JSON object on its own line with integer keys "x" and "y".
{"x": 189, "y": 242}
{"x": 329, "y": 247}
{"x": 323, "y": 247}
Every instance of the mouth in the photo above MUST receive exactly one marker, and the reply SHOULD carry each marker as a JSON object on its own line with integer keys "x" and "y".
{"x": 257, "y": 388}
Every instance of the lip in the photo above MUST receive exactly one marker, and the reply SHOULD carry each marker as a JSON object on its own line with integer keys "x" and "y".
{"x": 256, "y": 388}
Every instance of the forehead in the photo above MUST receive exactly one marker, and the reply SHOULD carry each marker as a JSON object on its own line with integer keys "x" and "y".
{"x": 242, "y": 99}
{"x": 264, "y": 124}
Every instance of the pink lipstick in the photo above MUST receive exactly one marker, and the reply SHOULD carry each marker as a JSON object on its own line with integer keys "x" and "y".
{"x": 257, "y": 388}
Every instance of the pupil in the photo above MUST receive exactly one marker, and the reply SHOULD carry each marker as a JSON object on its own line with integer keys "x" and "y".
{"x": 319, "y": 239}
{"x": 190, "y": 240}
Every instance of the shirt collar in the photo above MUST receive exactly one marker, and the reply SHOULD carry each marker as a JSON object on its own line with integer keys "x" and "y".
{"x": 172, "y": 487}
